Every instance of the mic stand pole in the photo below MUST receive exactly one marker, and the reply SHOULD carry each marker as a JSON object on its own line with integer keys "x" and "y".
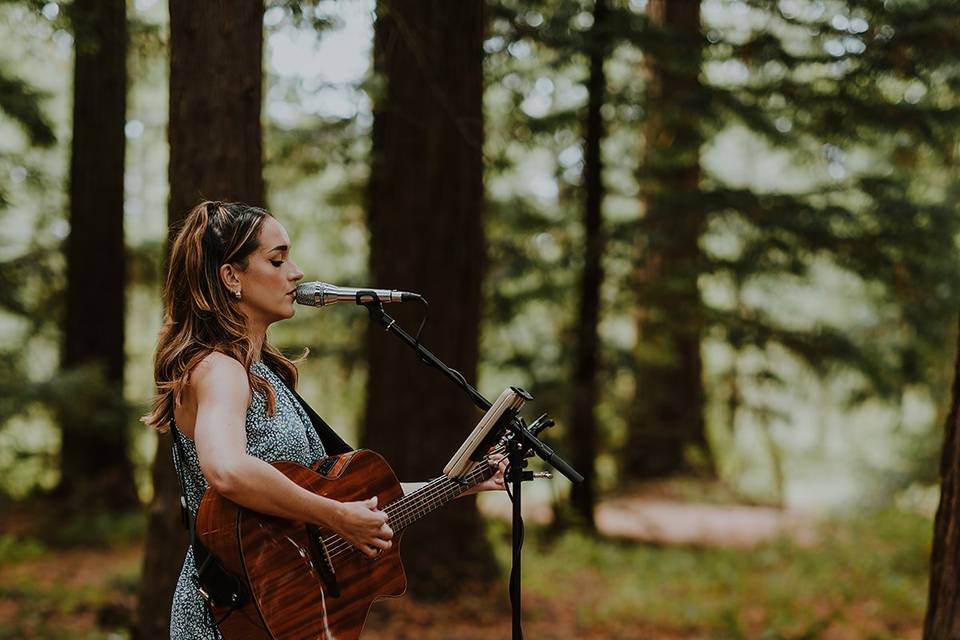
{"x": 517, "y": 462}
{"x": 518, "y": 446}
{"x": 370, "y": 300}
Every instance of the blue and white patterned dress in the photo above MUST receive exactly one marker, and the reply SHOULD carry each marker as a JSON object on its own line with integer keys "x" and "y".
{"x": 286, "y": 435}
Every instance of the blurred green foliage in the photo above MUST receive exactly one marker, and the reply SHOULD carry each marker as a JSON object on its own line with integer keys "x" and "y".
{"x": 829, "y": 277}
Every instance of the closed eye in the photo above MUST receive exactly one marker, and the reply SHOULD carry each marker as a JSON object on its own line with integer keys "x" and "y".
{"x": 276, "y": 263}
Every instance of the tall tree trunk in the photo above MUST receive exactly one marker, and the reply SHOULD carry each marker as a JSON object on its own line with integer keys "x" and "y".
{"x": 94, "y": 464}
{"x": 943, "y": 600}
{"x": 425, "y": 204}
{"x": 216, "y": 91}
{"x": 666, "y": 421}
{"x": 216, "y": 71}
{"x": 583, "y": 425}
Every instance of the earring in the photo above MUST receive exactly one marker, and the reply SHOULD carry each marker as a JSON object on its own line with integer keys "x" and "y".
{"x": 237, "y": 294}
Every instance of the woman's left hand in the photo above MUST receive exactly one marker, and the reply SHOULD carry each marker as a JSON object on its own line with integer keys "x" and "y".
{"x": 496, "y": 481}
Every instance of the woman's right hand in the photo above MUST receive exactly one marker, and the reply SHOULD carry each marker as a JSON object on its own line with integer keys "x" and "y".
{"x": 364, "y": 526}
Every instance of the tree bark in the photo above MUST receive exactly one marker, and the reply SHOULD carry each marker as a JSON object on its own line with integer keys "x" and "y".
{"x": 95, "y": 468}
{"x": 215, "y": 135}
{"x": 943, "y": 601}
{"x": 425, "y": 208}
{"x": 666, "y": 421}
{"x": 583, "y": 424}
{"x": 216, "y": 91}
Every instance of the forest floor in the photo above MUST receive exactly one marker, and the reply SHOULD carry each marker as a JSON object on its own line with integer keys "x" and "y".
{"x": 663, "y": 568}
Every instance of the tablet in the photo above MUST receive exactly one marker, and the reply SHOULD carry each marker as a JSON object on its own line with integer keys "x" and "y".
{"x": 467, "y": 456}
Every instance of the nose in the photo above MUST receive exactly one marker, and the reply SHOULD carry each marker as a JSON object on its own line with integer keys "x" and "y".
{"x": 297, "y": 274}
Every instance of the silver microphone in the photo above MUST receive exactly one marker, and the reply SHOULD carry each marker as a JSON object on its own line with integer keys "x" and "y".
{"x": 320, "y": 294}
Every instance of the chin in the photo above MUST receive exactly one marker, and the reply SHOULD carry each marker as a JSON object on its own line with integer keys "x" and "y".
{"x": 280, "y": 314}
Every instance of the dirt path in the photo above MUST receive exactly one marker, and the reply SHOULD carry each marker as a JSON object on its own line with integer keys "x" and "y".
{"x": 678, "y": 523}
{"x": 666, "y": 521}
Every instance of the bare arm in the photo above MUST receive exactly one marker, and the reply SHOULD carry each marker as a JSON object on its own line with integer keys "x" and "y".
{"x": 223, "y": 396}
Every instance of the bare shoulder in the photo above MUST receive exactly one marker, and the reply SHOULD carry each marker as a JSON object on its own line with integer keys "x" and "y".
{"x": 218, "y": 376}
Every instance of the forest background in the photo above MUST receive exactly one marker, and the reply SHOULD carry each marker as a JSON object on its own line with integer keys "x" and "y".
{"x": 716, "y": 240}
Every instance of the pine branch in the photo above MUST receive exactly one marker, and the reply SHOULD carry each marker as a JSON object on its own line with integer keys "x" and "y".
{"x": 22, "y": 103}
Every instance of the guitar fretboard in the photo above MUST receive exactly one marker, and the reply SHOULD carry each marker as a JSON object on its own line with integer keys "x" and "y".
{"x": 404, "y": 511}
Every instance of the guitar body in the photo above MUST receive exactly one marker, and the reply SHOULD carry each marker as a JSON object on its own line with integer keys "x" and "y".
{"x": 301, "y": 587}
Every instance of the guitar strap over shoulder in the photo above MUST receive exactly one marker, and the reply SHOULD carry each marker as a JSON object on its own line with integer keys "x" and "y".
{"x": 333, "y": 444}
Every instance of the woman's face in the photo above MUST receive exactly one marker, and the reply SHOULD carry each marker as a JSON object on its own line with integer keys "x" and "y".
{"x": 269, "y": 282}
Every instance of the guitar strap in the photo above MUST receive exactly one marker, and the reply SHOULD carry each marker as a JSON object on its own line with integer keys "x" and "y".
{"x": 333, "y": 444}
{"x": 217, "y": 585}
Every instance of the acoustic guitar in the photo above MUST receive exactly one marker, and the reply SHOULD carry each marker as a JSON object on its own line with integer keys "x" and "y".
{"x": 306, "y": 581}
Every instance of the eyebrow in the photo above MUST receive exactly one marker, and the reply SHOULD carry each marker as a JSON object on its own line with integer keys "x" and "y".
{"x": 279, "y": 247}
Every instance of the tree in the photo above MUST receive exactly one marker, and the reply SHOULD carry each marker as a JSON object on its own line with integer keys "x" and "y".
{"x": 425, "y": 214}
{"x": 216, "y": 60}
{"x": 583, "y": 427}
{"x": 666, "y": 415}
{"x": 95, "y": 467}
{"x": 821, "y": 84}
{"x": 943, "y": 601}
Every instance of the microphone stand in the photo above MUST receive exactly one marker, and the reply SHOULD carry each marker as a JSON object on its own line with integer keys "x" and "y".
{"x": 523, "y": 442}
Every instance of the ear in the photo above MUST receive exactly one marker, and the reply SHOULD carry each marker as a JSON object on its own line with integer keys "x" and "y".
{"x": 230, "y": 276}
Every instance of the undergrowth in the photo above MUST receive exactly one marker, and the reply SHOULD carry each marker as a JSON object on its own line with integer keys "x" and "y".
{"x": 864, "y": 577}
{"x": 865, "y": 573}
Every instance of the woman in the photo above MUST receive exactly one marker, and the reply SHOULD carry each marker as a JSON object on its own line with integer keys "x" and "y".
{"x": 221, "y": 384}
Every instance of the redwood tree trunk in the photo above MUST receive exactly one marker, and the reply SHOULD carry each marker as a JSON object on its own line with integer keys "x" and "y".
{"x": 216, "y": 53}
{"x": 583, "y": 425}
{"x": 666, "y": 421}
{"x": 95, "y": 468}
{"x": 216, "y": 91}
{"x": 943, "y": 601}
{"x": 425, "y": 205}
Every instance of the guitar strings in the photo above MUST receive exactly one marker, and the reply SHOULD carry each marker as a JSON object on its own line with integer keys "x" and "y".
{"x": 425, "y": 498}
{"x": 337, "y": 546}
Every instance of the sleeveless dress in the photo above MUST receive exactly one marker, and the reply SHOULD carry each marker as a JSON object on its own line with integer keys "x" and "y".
{"x": 286, "y": 435}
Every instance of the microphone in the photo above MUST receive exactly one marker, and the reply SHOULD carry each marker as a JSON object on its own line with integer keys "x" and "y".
{"x": 320, "y": 294}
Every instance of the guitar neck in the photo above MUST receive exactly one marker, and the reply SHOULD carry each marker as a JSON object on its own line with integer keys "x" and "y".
{"x": 433, "y": 495}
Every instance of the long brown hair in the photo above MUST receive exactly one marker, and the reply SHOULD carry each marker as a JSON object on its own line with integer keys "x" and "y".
{"x": 200, "y": 314}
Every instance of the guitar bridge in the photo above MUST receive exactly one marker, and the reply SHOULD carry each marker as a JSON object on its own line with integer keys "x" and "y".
{"x": 322, "y": 561}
